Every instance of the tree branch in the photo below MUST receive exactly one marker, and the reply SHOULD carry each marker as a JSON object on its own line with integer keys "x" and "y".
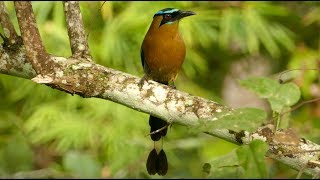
{"x": 35, "y": 50}
{"x": 76, "y": 31}
{"x": 88, "y": 79}
{"x": 284, "y": 146}
{"x": 7, "y": 26}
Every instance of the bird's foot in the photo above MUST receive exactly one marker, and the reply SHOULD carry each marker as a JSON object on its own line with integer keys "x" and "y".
{"x": 172, "y": 85}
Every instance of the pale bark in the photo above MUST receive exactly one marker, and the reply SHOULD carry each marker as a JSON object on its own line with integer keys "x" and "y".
{"x": 76, "y": 31}
{"x": 8, "y": 28}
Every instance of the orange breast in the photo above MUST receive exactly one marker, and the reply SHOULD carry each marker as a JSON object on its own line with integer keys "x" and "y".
{"x": 164, "y": 51}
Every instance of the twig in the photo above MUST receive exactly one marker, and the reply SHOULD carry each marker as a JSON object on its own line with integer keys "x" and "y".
{"x": 102, "y": 5}
{"x": 156, "y": 131}
{"x": 286, "y": 71}
{"x": 301, "y": 171}
{"x": 8, "y": 28}
{"x": 76, "y": 31}
{"x": 295, "y": 108}
{"x": 35, "y": 50}
{"x": 300, "y": 104}
{"x": 90, "y": 25}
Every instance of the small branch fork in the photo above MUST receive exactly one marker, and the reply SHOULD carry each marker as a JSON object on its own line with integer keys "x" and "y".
{"x": 76, "y": 31}
{"x": 35, "y": 49}
{"x": 10, "y": 35}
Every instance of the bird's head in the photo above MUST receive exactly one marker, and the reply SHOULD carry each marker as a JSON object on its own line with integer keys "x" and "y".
{"x": 171, "y": 15}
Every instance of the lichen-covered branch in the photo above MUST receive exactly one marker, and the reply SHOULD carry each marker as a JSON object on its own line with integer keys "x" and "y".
{"x": 88, "y": 79}
{"x": 13, "y": 61}
{"x": 35, "y": 50}
{"x": 284, "y": 145}
{"x": 7, "y": 26}
{"x": 76, "y": 31}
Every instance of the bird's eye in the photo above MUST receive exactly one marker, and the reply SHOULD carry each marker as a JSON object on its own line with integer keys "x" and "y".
{"x": 167, "y": 16}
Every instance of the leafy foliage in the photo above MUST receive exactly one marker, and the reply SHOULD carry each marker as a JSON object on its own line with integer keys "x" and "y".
{"x": 279, "y": 96}
{"x": 248, "y": 27}
{"x": 248, "y": 119}
{"x": 245, "y": 162}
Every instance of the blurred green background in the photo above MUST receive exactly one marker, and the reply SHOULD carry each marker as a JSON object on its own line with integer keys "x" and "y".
{"x": 48, "y": 133}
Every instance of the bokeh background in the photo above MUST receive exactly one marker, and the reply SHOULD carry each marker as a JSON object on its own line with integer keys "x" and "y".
{"x": 48, "y": 133}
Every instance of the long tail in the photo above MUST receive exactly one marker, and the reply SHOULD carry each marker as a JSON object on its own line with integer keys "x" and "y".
{"x": 155, "y": 124}
{"x": 157, "y": 163}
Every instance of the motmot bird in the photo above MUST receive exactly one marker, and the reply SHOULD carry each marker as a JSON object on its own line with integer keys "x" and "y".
{"x": 162, "y": 55}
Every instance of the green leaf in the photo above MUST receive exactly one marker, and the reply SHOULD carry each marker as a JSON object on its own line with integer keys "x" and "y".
{"x": 245, "y": 162}
{"x": 226, "y": 166}
{"x": 263, "y": 87}
{"x": 225, "y": 25}
{"x": 82, "y": 165}
{"x": 279, "y": 95}
{"x": 252, "y": 158}
{"x": 283, "y": 36}
{"x": 287, "y": 95}
{"x": 248, "y": 119}
{"x": 230, "y": 159}
{"x": 227, "y": 172}
{"x": 276, "y": 104}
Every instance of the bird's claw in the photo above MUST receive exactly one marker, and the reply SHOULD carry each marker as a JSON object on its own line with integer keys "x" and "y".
{"x": 172, "y": 85}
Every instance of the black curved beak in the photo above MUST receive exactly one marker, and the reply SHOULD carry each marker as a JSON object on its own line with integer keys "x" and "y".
{"x": 183, "y": 14}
